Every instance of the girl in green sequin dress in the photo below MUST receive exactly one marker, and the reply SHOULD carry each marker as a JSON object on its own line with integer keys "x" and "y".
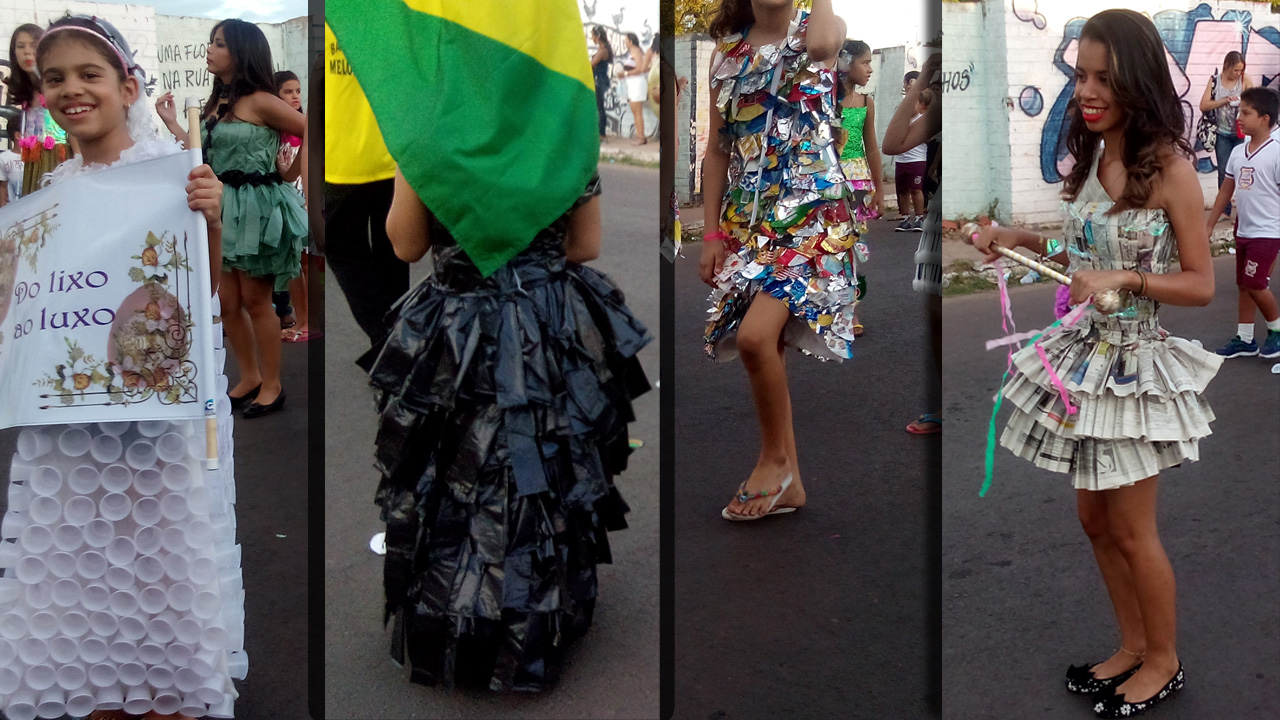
{"x": 265, "y": 226}
{"x": 860, "y": 156}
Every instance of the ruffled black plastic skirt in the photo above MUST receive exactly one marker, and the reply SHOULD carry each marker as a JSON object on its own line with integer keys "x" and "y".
{"x": 503, "y": 423}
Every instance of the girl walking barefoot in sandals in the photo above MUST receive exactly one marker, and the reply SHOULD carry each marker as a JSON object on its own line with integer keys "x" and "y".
{"x": 1131, "y": 200}
{"x": 779, "y": 244}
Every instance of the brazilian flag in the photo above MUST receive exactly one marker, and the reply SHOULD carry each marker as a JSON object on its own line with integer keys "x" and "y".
{"x": 487, "y": 106}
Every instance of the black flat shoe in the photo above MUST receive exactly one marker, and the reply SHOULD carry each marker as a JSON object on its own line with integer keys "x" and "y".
{"x": 1108, "y": 704}
{"x": 1082, "y": 681}
{"x": 256, "y": 410}
{"x": 238, "y": 402}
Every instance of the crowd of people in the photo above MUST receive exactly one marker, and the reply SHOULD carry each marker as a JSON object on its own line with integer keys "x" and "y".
{"x": 638, "y": 73}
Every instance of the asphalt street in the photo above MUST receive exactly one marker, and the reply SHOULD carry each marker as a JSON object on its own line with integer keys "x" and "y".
{"x": 821, "y": 613}
{"x": 1022, "y": 597}
{"x": 271, "y": 527}
{"x": 613, "y": 672}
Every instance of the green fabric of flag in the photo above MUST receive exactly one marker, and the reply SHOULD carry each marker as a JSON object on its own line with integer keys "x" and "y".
{"x": 487, "y": 106}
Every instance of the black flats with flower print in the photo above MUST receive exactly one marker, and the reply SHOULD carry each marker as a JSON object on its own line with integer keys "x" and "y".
{"x": 1082, "y": 681}
{"x": 1108, "y": 704}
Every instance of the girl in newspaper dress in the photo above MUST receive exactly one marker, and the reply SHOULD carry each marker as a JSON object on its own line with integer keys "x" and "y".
{"x": 121, "y": 594}
{"x": 1136, "y": 393}
{"x": 779, "y": 245}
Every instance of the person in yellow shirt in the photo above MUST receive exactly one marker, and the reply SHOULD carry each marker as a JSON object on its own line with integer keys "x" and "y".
{"x": 359, "y": 180}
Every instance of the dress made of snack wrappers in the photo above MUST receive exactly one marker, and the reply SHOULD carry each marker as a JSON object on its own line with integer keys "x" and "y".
{"x": 264, "y": 228}
{"x": 853, "y": 161}
{"x": 1139, "y": 390}
{"x": 787, "y": 204}
{"x": 43, "y": 145}
{"x": 503, "y": 416}
{"x": 122, "y": 586}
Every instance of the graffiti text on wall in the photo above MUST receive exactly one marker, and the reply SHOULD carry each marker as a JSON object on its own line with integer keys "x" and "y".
{"x": 1195, "y": 43}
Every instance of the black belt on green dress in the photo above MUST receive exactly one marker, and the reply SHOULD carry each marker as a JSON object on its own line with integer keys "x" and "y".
{"x": 239, "y": 178}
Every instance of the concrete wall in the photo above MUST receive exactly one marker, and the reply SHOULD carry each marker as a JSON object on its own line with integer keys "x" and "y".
{"x": 1008, "y": 77}
{"x": 170, "y": 50}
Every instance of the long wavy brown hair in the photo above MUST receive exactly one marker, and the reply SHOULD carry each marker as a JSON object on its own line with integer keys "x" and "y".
{"x": 1140, "y": 83}
{"x": 731, "y": 17}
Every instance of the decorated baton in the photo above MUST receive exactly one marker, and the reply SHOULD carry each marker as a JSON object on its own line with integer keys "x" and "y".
{"x": 210, "y": 400}
{"x": 1107, "y": 302}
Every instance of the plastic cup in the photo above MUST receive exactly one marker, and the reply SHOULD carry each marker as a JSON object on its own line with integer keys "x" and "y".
{"x": 116, "y": 478}
{"x": 179, "y": 654}
{"x": 166, "y": 702}
{"x": 14, "y": 523}
{"x": 95, "y": 596}
{"x": 74, "y": 442}
{"x": 121, "y": 551}
{"x": 91, "y": 565}
{"x": 132, "y": 673}
{"x": 10, "y": 679}
{"x": 177, "y": 567}
{"x": 140, "y": 455}
{"x": 180, "y": 596}
{"x": 205, "y": 605}
{"x": 81, "y": 702}
{"x": 159, "y": 676}
{"x": 22, "y": 706}
{"x": 186, "y": 679}
{"x": 124, "y": 602}
{"x": 199, "y": 501}
{"x": 103, "y": 623}
{"x": 148, "y": 481}
{"x": 150, "y": 653}
{"x": 61, "y": 564}
{"x": 40, "y": 595}
{"x": 33, "y": 651}
{"x": 149, "y": 568}
{"x": 13, "y": 626}
{"x": 10, "y": 590}
{"x": 106, "y": 448}
{"x": 8, "y": 651}
{"x": 171, "y": 447}
{"x": 137, "y": 701}
{"x": 119, "y": 578}
{"x": 176, "y": 477}
{"x": 147, "y": 539}
{"x": 214, "y": 637}
{"x": 115, "y": 506}
{"x": 72, "y": 676}
{"x": 36, "y": 539}
{"x": 153, "y": 428}
{"x": 94, "y": 650}
{"x": 187, "y": 629}
{"x": 40, "y": 677}
{"x": 45, "y": 510}
{"x": 99, "y": 532}
{"x": 203, "y": 570}
{"x": 147, "y": 511}
{"x": 32, "y": 570}
{"x": 43, "y": 625}
{"x": 152, "y": 599}
{"x": 68, "y": 537}
{"x": 52, "y": 703}
{"x": 132, "y": 628}
{"x": 63, "y": 649}
{"x": 74, "y": 624}
{"x": 160, "y": 630}
{"x": 67, "y": 592}
{"x": 103, "y": 675}
{"x": 45, "y": 480}
{"x": 199, "y": 534}
{"x": 79, "y": 512}
{"x": 19, "y": 495}
{"x": 110, "y": 698}
{"x": 122, "y": 651}
{"x": 174, "y": 508}
{"x": 114, "y": 428}
{"x": 84, "y": 479}
{"x": 212, "y": 690}
{"x": 205, "y": 662}
{"x": 33, "y": 444}
{"x": 174, "y": 540}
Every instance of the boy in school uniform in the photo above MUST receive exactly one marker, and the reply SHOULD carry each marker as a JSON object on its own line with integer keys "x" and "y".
{"x": 1253, "y": 176}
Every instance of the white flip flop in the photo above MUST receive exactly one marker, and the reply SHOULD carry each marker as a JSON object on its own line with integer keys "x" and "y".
{"x": 773, "y": 504}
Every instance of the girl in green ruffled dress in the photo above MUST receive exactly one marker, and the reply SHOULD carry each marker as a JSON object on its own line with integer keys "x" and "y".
{"x": 265, "y": 226}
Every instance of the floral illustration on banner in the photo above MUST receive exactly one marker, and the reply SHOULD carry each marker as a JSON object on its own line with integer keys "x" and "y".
{"x": 30, "y": 234}
{"x": 150, "y": 341}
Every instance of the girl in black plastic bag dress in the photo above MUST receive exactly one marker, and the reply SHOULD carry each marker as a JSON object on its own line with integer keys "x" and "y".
{"x": 504, "y": 403}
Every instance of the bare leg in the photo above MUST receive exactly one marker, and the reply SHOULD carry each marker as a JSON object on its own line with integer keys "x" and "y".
{"x": 904, "y": 204}
{"x": 1265, "y": 300}
{"x": 235, "y": 321}
{"x": 1093, "y": 510}
{"x": 256, "y": 296}
{"x": 758, "y": 341}
{"x": 1247, "y": 307}
{"x": 637, "y": 113}
{"x": 917, "y": 201}
{"x": 298, "y": 291}
{"x": 1131, "y": 516}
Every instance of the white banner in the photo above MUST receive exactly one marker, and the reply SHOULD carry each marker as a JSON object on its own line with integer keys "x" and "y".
{"x": 105, "y": 311}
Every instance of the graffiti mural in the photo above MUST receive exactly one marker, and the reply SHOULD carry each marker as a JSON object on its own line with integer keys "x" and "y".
{"x": 1195, "y": 43}
{"x": 617, "y": 112}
